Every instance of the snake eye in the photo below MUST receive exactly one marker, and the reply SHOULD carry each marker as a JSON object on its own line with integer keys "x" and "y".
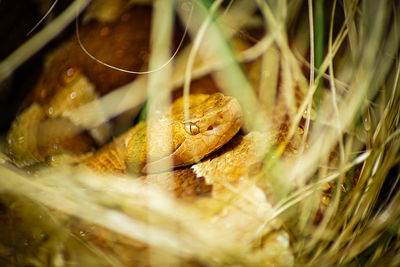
{"x": 191, "y": 128}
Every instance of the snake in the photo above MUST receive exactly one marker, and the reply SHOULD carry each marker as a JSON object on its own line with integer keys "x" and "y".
{"x": 213, "y": 121}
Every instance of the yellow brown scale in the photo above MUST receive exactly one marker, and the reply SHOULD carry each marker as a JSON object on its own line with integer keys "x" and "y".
{"x": 41, "y": 131}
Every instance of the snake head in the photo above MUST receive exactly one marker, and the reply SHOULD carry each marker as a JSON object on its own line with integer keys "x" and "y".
{"x": 213, "y": 121}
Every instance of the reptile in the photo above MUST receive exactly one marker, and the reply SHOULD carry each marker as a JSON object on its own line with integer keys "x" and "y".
{"x": 42, "y": 132}
{"x": 213, "y": 120}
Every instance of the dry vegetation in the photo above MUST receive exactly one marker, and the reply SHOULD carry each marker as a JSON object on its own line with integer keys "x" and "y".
{"x": 323, "y": 76}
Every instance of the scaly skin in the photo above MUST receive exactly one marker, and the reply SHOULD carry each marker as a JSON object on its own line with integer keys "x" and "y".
{"x": 213, "y": 121}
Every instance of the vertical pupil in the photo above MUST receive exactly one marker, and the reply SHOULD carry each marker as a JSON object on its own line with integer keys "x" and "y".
{"x": 190, "y": 128}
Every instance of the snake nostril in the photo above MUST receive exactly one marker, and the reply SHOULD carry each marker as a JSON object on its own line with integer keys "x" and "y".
{"x": 209, "y": 128}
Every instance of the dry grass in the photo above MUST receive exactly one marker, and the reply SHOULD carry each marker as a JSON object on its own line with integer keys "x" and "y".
{"x": 348, "y": 107}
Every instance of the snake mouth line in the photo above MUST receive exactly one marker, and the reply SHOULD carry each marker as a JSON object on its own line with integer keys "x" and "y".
{"x": 161, "y": 165}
